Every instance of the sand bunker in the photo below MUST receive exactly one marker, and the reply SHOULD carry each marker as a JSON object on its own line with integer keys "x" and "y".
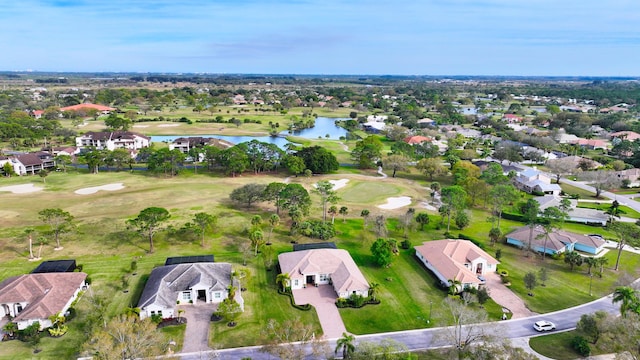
{"x": 140, "y": 126}
{"x": 168, "y": 125}
{"x": 396, "y": 202}
{"x": 21, "y": 189}
{"x": 337, "y": 184}
{"x": 95, "y": 189}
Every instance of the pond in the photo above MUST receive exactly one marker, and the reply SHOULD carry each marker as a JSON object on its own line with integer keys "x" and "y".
{"x": 324, "y": 126}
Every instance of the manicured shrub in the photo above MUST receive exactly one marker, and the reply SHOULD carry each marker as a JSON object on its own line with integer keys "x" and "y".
{"x": 581, "y": 345}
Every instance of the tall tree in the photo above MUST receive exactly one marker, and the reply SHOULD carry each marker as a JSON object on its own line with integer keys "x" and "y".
{"x": 296, "y": 197}
{"x": 530, "y": 212}
{"x": 502, "y": 195}
{"x": 318, "y": 159}
{"x": 273, "y": 193}
{"x": 367, "y": 152}
{"x": 382, "y": 252}
{"x": 59, "y": 221}
{"x": 454, "y": 198}
{"x": 327, "y": 196}
{"x": 205, "y": 222}
{"x": 274, "y": 220}
{"x": 149, "y": 222}
{"x": 551, "y": 218}
{"x": 628, "y": 234}
{"x": 422, "y": 218}
{"x": 601, "y": 180}
{"x": 431, "y": 167}
{"x": 395, "y": 163}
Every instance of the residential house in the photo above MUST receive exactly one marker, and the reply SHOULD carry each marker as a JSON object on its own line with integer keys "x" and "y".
{"x": 111, "y": 140}
{"x": 511, "y": 118}
{"x": 65, "y": 150}
{"x": 456, "y": 260}
{"x": 316, "y": 267}
{"x": 185, "y": 144}
{"x": 105, "y": 110}
{"x": 575, "y": 214}
{"x": 29, "y": 163}
{"x": 625, "y": 135}
{"x": 630, "y": 175}
{"x": 533, "y": 181}
{"x": 417, "y": 139}
{"x": 31, "y": 298}
{"x": 593, "y": 144}
{"x": 186, "y": 283}
{"x": 558, "y": 242}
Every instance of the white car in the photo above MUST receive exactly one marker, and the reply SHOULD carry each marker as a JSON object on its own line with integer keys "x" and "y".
{"x": 544, "y": 325}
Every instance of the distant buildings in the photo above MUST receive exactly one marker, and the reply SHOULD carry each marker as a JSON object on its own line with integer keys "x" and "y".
{"x": 111, "y": 140}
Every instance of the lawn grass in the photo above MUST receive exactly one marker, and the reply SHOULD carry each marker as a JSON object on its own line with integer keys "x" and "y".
{"x": 556, "y": 346}
{"x": 105, "y": 248}
{"x": 572, "y": 190}
{"x": 622, "y": 209}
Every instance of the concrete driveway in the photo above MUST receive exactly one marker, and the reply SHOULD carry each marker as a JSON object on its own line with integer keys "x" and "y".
{"x": 196, "y": 336}
{"x": 506, "y": 298}
{"x": 323, "y": 298}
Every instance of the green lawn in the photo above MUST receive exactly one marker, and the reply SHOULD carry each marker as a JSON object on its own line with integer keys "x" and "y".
{"x": 623, "y": 210}
{"x": 571, "y": 190}
{"x": 105, "y": 248}
{"x": 556, "y": 346}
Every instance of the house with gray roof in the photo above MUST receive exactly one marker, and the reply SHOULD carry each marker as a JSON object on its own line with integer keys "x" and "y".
{"x": 531, "y": 180}
{"x": 192, "y": 283}
{"x": 558, "y": 241}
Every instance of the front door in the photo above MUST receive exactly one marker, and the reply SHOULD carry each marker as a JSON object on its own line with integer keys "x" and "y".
{"x": 479, "y": 269}
{"x": 202, "y": 295}
{"x": 310, "y": 279}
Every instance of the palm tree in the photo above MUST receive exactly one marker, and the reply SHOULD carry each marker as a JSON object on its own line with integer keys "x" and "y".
{"x": 346, "y": 344}
{"x": 256, "y": 238}
{"x": 343, "y": 211}
{"x": 29, "y": 232}
{"x": 602, "y": 261}
{"x": 629, "y": 298}
{"x": 455, "y": 286}
{"x": 365, "y": 216}
{"x": 591, "y": 262}
{"x": 373, "y": 289}
{"x": 283, "y": 279}
{"x": 274, "y": 220}
{"x": 333, "y": 210}
{"x": 627, "y": 233}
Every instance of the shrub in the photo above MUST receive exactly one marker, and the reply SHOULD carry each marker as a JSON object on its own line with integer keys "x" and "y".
{"x": 317, "y": 229}
{"x": 581, "y": 345}
{"x": 156, "y": 318}
{"x": 406, "y": 244}
{"x": 483, "y": 295}
{"x": 58, "y": 331}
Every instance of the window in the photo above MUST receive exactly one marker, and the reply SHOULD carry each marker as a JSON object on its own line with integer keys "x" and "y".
{"x": 153, "y": 313}
{"x": 160, "y": 312}
{"x": 216, "y": 295}
{"x": 186, "y": 295}
{"x": 19, "y": 308}
{"x": 324, "y": 277}
{"x": 295, "y": 282}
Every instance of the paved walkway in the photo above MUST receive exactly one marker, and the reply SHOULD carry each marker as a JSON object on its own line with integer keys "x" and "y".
{"x": 505, "y": 297}
{"x": 196, "y": 336}
{"x": 323, "y": 298}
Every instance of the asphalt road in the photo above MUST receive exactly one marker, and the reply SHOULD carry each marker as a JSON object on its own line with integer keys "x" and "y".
{"x": 434, "y": 338}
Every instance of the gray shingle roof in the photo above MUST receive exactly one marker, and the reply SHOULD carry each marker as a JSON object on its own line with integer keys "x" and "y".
{"x": 166, "y": 281}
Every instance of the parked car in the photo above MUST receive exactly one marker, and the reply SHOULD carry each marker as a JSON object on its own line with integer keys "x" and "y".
{"x": 543, "y": 325}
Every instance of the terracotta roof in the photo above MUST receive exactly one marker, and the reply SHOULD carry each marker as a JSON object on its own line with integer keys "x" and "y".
{"x": 628, "y": 135}
{"x": 46, "y": 294}
{"x": 449, "y": 256}
{"x": 87, "y": 106}
{"x": 418, "y": 139}
{"x": 345, "y": 274}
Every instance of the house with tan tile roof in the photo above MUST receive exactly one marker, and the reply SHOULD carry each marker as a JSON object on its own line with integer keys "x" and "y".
{"x": 316, "y": 267}
{"x": 456, "y": 260}
{"x": 31, "y": 298}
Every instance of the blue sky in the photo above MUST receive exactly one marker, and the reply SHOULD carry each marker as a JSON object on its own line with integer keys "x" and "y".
{"x": 403, "y": 37}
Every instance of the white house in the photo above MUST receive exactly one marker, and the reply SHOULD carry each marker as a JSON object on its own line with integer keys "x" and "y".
{"x": 324, "y": 266}
{"x": 31, "y": 298}
{"x": 111, "y": 140}
{"x": 193, "y": 283}
{"x": 456, "y": 260}
{"x": 531, "y": 180}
